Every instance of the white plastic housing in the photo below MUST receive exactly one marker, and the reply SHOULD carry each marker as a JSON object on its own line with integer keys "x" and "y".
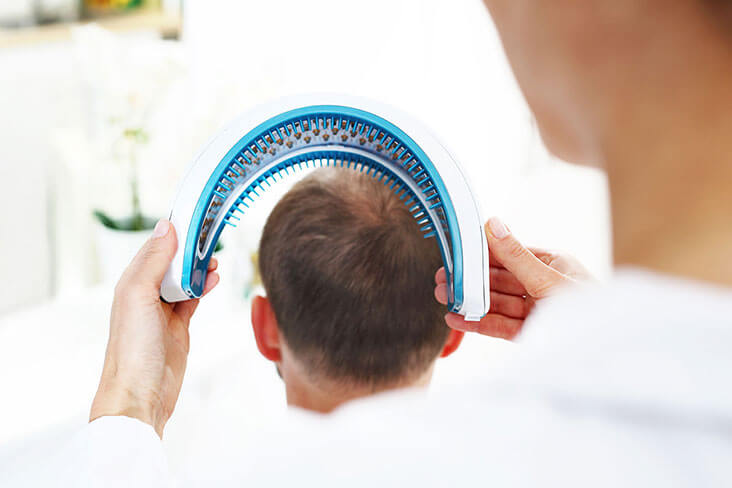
{"x": 475, "y": 280}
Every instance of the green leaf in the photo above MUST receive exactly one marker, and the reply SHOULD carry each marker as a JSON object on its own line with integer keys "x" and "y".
{"x": 129, "y": 224}
{"x": 137, "y": 135}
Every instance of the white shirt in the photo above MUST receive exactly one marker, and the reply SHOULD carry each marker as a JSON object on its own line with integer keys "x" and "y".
{"x": 628, "y": 383}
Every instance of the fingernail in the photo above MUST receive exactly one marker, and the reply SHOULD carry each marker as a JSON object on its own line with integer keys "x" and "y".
{"x": 161, "y": 228}
{"x": 498, "y": 228}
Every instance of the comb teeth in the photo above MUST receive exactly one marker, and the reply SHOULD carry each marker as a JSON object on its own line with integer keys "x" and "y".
{"x": 325, "y": 129}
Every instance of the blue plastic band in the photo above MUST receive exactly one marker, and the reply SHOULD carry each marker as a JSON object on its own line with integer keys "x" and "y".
{"x": 298, "y": 116}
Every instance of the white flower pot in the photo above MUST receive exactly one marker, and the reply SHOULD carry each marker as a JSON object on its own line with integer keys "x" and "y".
{"x": 115, "y": 250}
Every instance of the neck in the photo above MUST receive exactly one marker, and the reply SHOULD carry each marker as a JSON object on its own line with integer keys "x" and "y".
{"x": 671, "y": 189}
{"x": 324, "y": 396}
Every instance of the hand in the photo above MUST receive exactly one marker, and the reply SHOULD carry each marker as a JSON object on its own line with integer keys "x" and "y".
{"x": 518, "y": 278}
{"x": 148, "y": 338}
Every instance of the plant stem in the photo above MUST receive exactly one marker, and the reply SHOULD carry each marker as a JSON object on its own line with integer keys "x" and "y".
{"x": 137, "y": 221}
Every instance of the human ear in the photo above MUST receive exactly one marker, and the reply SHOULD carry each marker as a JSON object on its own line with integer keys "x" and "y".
{"x": 452, "y": 343}
{"x": 266, "y": 331}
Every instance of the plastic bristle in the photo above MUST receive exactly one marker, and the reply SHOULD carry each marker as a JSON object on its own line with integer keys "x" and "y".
{"x": 309, "y": 134}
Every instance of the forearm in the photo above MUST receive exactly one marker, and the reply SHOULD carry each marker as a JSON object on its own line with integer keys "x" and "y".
{"x": 115, "y": 399}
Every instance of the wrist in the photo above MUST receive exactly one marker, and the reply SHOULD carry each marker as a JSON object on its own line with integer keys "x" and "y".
{"x": 114, "y": 400}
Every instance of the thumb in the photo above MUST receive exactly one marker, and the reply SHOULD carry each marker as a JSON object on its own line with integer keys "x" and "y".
{"x": 152, "y": 261}
{"x": 539, "y": 279}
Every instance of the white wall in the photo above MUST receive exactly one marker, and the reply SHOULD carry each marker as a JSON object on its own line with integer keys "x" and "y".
{"x": 37, "y": 96}
{"x": 441, "y": 61}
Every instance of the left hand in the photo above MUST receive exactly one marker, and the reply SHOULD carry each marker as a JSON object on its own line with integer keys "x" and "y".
{"x": 519, "y": 276}
{"x": 148, "y": 338}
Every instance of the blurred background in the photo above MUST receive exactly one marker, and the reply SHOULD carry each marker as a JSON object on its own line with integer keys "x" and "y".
{"x": 104, "y": 102}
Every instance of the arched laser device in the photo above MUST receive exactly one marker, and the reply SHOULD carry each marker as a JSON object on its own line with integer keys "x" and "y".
{"x": 262, "y": 146}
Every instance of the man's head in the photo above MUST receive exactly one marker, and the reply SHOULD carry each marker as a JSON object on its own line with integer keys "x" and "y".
{"x": 349, "y": 280}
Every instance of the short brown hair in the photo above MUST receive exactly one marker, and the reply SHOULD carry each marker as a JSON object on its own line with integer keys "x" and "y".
{"x": 350, "y": 279}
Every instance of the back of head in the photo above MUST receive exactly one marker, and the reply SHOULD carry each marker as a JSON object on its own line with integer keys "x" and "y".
{"x": 350, "y": 279}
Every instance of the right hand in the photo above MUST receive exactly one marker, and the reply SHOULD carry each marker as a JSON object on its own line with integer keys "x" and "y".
{"x": 518, "y": 278}
{"x": 148, "y": 338}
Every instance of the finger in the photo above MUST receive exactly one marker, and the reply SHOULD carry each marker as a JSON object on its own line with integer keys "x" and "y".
{"x": 152, "y": 261}
{"x": 567, "y": 265}
{"x": 441, "y": 276}
{"x": 504, "y": 282}
{"x": 493, "y": 325}
{"x": 213, "y": 264}
{"x": 546, "y": 257}
{"x": 539, "y": 279}
{"x": 185, "y": 310}
{"x": 441, "y": 293}
{"x": 494, "y": 262}
{"x": 509, "y": 305}
{"x": 540, "y": 252}
{"x": 212, "y": 280}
